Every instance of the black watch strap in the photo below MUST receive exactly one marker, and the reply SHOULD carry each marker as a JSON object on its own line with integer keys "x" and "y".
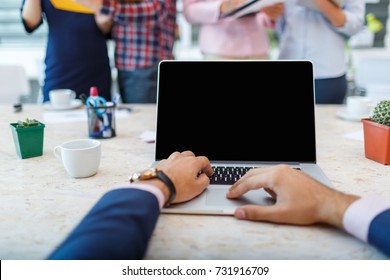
{"x": 172, "y": 190}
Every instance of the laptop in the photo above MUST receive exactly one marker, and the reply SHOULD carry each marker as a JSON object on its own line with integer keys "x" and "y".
{"x": 241, "y": 115}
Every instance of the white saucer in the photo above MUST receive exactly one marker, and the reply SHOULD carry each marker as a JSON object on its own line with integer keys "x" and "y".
{"x": 76, "y": 103}
{"x": 346, "y": 116}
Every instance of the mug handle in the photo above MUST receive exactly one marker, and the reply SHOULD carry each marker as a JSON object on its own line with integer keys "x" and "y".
{"x": 57, "y": 152}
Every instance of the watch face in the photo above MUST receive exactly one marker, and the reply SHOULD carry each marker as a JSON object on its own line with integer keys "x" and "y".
{"x": 144, "y": 175}
{"x": 147, "y": 174}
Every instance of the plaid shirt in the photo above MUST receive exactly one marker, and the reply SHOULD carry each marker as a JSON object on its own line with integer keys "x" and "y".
{"x": 144, "y": 32}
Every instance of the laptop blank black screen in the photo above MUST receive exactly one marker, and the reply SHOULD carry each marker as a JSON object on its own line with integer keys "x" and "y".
{"x": 247, "y": 111}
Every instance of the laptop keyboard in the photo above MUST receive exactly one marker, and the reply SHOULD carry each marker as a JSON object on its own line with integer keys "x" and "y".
{"x": 228, "y": 175}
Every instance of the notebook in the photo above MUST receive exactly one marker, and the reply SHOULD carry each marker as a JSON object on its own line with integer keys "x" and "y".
{"x": 238, "y": 114}
{"x": 249, "y": 7}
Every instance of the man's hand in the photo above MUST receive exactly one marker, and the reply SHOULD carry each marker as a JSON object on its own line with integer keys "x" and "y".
{"x": 274, "y": 11}
{"x": 300, "y": 199}
{"x": 189, "y": 173}
{"x": 104, "y": 22}
{"x": 229, "y": 5}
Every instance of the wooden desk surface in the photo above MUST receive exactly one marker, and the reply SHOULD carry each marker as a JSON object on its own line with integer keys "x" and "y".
{"x": 40, "y": 203}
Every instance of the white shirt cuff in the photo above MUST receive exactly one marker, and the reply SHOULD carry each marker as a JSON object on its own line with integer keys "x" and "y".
{"x": 358, "y": 216}
{"x": 149, "y": 188}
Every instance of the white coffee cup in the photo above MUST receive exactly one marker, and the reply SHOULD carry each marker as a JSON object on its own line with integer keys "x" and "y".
{"x": 81, "y": 157}
{"x": 359, "y": 106}
{"x": 61, "y": 97}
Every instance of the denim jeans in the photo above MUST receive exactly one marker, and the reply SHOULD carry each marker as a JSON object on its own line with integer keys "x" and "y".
{"x": 139, "y": 85}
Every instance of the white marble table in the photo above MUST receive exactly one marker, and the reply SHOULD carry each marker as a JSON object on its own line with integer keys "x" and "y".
{"x": 40, "y": 203}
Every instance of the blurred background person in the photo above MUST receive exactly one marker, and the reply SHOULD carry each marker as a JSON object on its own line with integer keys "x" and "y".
{"x": 318, "y": 30}
{"x": 76, "y": 52}
{"x": 243, "y": 37}
{"x": 144, "y": 32}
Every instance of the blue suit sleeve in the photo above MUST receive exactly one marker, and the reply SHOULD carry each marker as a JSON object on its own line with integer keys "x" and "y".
{"x": 379, "y": 232}
{"x": 119, "y": 226}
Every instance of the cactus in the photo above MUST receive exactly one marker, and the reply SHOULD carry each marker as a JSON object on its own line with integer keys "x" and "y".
{"x": 26, "y": 123}
{"x": 381, "y": 113}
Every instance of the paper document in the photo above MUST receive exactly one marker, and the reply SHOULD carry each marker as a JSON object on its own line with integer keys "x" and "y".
{"x": 249, "y": 7}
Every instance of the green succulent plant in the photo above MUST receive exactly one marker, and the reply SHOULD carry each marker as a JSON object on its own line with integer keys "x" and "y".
{"x": 381, "y": 113}
{"x": 26, "y": 123}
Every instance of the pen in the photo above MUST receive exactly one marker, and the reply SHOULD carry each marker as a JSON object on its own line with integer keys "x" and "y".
{"x": 116, "y": 97}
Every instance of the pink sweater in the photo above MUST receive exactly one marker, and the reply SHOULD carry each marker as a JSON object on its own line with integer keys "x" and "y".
{"x": 241, "y": 37}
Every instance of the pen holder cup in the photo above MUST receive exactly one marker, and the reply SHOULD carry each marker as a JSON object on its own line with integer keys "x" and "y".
{"x": 101, "y": 121}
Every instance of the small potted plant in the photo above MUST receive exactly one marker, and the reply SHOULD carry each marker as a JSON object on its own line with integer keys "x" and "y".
{"x": 28, "y": 138}
{"x": 377, "y": 133}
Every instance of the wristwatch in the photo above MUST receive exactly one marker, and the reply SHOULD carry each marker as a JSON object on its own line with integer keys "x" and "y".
{"x": 152, "y": 173}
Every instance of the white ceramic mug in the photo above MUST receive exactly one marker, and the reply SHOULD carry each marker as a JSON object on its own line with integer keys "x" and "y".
{"x": 81, "y": 157}
{"x": 61, "y": 97}
{"x": 358, "y": 106}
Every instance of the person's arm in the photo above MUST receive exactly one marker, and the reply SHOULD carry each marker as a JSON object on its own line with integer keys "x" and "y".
{"x": 127, "y": 11}
{"x": 119, "y": 226}
{"x": 334, "y": 13}
{"x": 301, "y": 200}
{"x": 274, "y": 11}
{"x": 271, "y": 14}
{"x": 31, "y": 14}
{"x": 104, "y": 22}
{"x": 204, "y": 12}
{"x": 368, "y": 219}
{"x": 348, "y": 19}
{"x": 121, "y": 223}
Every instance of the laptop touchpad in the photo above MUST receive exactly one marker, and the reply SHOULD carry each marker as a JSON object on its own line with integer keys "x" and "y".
{"x": 216, "y": 197}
